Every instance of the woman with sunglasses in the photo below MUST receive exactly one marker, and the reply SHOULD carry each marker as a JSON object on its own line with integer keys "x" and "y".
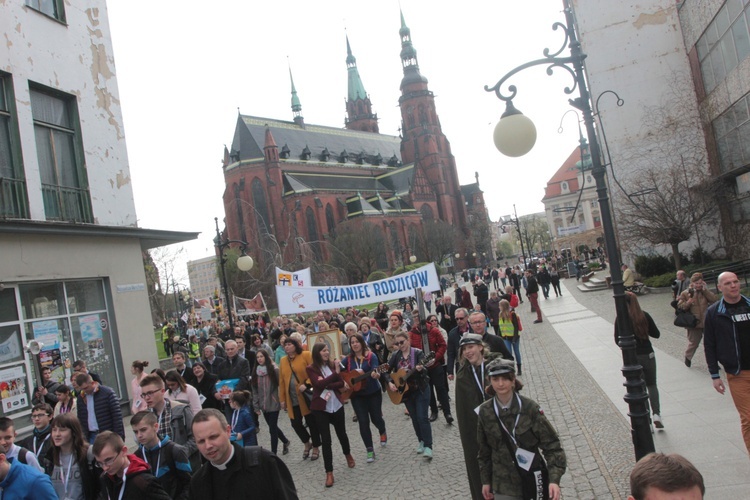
{"x": 178, "y": 390}
{"x": 417, "y": 399}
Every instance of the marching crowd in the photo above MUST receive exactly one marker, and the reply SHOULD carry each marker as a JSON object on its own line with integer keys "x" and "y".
{"x": 197, "y": 438}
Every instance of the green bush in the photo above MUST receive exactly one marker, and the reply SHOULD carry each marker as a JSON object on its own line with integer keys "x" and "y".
{"x": 653, "y": 265}
{"x": 594, "y": 266}
{"x": 661, "y": 280}
{"x": 377, "y": 275}
{"x": 684, "y": 260}
{"x": 697, "y": 253}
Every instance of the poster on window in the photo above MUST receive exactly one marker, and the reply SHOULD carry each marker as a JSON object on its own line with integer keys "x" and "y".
{"x": 13, "y": 393}
{"x": 47, "y": 333}
{"x": 50, "y": 358}
{"x": 10, "y": 344}
{"x": 91, "y": 334}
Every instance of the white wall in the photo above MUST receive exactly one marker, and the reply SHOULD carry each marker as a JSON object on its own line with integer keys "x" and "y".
{"x": 637, "y": 50}
{"x": 76, "y": 59}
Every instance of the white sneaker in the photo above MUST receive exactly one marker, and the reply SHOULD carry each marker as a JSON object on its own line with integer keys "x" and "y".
{"x": 657, "y": 421}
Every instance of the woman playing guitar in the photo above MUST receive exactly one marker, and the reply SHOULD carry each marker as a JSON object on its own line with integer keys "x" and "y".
{"x": 410, "y": 360}
{"x": 367, "y": 401}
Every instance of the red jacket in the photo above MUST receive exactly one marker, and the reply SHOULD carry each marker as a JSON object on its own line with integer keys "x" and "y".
{"x": 436, "y": 340}
{"x": 333, "y": 382}
{"x": 466, "y": 300}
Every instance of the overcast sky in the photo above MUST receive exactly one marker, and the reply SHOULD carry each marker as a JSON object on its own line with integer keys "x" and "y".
{"x": 185, "y": 68}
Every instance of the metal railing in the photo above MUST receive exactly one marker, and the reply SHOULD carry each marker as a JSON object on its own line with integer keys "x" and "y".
{"x": 739, "y": 267}
{"x": 13, "y": 202}
{"x": 67, "y": 203}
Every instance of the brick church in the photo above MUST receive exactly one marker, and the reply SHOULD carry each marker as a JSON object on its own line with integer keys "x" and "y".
{"x": 290, "y": 183}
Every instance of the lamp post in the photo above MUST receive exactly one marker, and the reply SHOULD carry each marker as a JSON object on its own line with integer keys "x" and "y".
{"x": 515, "y": 136}
{"x": 518, "y": 228}
{"x": 244, "y": 263}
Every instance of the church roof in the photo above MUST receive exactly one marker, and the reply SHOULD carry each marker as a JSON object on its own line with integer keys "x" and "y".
{"x": 327, "y": 145}
{"x": 568, "y": 172}
{"x": 468, "y": 190}
{"x": 396, "y": 182}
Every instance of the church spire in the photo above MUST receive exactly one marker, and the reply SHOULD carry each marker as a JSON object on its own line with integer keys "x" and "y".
{"x": 296, "y": 105}
{"x": 409, "y": 56}
{"x": 359, "y": 115}
{"x": 356, "y": 89}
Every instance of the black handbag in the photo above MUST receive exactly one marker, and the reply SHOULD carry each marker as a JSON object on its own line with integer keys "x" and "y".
{"x": 685, "y": 319}
{"x": 308, "y": 392}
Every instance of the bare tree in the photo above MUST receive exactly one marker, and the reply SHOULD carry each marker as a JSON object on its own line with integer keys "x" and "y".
{"x": 669, "y": 194}
{"x": 437, "y": 241}
{"x": 357, "y": 248}
{"x": 171, "y": 271}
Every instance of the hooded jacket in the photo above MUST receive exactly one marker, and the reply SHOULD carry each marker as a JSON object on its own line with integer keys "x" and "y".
{"x": 169, "y": 464}
{"x": 138, "y": 482}
{"x": 25, "y": 482}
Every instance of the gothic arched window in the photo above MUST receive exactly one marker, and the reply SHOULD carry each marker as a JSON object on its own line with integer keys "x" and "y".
{"x": 330, "y": 221}
{"x": 312, "y": 232}
{"x": 261, "y": 207}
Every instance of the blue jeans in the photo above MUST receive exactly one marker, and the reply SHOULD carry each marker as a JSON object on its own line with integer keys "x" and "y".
{"x": 515, "y": 347}
{"x": 418, "y": 404}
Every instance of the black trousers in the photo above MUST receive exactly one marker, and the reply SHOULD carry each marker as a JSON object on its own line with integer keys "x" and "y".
{"x": 300, "y": 429}
{"x": 438, "y": 382}
{"x": 324, "y": 421}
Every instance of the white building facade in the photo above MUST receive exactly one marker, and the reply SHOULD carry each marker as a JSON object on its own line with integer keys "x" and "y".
{"x": 204, "y": 280}
{"x": 71, "y": 273}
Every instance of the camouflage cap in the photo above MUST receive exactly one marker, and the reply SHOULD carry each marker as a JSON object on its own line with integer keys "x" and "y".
{"x": 500, "y": 366}
{"x": 470, "y": 338}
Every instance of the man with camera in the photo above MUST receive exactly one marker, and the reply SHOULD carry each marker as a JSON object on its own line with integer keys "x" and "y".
{"x": 696, "y": 300}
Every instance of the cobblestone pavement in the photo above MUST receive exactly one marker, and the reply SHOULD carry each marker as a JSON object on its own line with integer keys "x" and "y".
{"x": 595, "y": 436}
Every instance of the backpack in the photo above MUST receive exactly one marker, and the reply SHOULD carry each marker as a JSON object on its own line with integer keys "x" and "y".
{"x": 518, "y": 319}
{"x": 514, "y": 301}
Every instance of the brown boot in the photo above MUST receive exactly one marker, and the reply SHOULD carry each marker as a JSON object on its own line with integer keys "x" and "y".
{"x": 329, "y": 479}
{"x": 350, "y": 461}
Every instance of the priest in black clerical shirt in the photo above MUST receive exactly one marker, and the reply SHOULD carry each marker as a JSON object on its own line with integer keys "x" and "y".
{"x": 232, "y": 471}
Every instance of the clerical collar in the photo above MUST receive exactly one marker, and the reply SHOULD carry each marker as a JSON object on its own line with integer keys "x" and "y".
{"x": 223, "y": 466}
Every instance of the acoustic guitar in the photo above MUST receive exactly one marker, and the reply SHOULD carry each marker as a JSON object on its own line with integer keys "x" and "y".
{"x": 401, "y": 380}
{"x": 356, "y": 379}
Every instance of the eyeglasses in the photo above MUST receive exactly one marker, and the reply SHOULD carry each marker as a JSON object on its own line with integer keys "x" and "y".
{"x": 108, "y": 462}
{"x": 461, "y": 318}
{"x": 150, "y": 393}
{"x": 399, "y": 343}
{"x": 476, "y": 322}
{"x": 39, "y": 415}
{"x": 433, "y": 321}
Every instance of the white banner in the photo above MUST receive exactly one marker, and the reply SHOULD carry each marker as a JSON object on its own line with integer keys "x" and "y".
{"x": 308, "y": 299}
{"x": 249, "y": 306}
{"x": 565, "y": 231}
{"x": 293, "y": 278}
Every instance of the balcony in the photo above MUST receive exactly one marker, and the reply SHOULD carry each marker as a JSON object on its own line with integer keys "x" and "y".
{"x": 13, "y": 202}
{"x": 67, "y": 203}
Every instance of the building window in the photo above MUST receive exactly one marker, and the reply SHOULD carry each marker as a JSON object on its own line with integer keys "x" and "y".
{"x": 724, "y": 44}
{"x": 732, "y": 134}
{"x": 261, "y": 208}
{"x": 59, "y": 151}
{"x": 13, "y": 201}
{"x": 52, "y": 8}
{"x": 330, "y": 221}
{"x": 312, "y": 233}
{"x": 72, "y": 320}
{"x": 564, "y": 186}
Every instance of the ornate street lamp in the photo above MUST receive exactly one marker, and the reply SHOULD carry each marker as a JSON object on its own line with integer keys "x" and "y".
{"x": 244, "y": 263}
{"x": 515, "y": 136}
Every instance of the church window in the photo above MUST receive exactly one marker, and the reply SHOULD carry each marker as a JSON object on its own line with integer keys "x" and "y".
{"x": 259, "y": 203}
{"x": 330, "y": 221}
{"x": 312, "y": 233}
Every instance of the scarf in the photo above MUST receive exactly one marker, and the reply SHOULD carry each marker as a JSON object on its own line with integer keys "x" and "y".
{"x": 261, "y": 371}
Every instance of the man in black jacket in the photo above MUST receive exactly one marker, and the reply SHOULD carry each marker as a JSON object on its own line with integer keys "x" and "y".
{"x": 232, "y": 471}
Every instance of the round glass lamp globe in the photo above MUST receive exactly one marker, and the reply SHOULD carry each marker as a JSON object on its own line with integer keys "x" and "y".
{"x": 514, "y": 135}
{"x": 458, "y": 255}
{"x": 412, "y": 259}
{"x": 245, "y": 263}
